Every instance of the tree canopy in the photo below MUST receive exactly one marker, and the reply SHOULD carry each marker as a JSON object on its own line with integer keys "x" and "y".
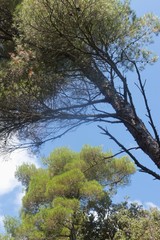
{"x": 60, "y": 197}
{"x": 69, "y": 61}
{"x": 71, "y": 199}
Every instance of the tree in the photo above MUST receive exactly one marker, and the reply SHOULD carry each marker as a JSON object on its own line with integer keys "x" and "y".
{"x": 71, "y": 62}
{"x": 60, "y": 197}
{"x": 71, "y": 199}
{"x": 136, "y": 223}
{"x": 7, "y": 30}
{"x": 123, "y": 222}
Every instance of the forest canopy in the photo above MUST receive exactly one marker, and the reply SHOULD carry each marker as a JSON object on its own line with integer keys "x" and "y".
{"x": 64, "y": 62}
{"x": 60, "y": 198}
{"x": 70, "y": 198}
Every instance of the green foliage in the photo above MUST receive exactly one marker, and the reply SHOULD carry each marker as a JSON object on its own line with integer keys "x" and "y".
{"x": 122, "y": 222}
{"x": 135, "y": 223}
{"x": 65, "y": 59}
{"x": 60, "y": 198}
{"x": 68, "y": 200}
{"x": 57, "y": 37}
{"x": 24, "y": 174}
{"x": 11, "y": 225}
{"x": 60, "y": 58}
{"x": 36, "y": 190}
{"x": 96, "y": 25}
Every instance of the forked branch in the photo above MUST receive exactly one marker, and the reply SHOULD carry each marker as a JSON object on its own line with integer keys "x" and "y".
{"x": 139, "y": 165}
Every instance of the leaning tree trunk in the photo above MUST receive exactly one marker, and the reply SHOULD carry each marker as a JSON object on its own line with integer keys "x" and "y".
{"x": 125, "y": 113}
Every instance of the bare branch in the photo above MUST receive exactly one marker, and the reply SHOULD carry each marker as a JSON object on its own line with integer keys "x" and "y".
{"x": 142, "y": 168}
{"x": 146, "y": 104}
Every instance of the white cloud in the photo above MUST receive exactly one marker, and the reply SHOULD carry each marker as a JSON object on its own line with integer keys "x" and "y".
{"x": 146, "y": 205}
{"x": 151, "y": 205}
{"x": 8, "y": 167}
{"x": 1, "y": 224}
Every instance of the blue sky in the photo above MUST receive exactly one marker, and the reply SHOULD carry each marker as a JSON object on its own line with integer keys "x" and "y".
{"x": 142, "y": 188}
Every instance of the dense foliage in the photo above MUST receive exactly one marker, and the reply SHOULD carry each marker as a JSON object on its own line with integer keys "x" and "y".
{"x": 60, "y": 199}
{"x": 63, "y": 62}
{"x": 70, "y": 199}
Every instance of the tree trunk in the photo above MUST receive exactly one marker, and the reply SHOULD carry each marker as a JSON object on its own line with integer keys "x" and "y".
{"x": 73, "y": 234}
{"x": 125, "y": 113}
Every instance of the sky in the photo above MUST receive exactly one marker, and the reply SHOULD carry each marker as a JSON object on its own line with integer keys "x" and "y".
{"x": 142, "y": 188}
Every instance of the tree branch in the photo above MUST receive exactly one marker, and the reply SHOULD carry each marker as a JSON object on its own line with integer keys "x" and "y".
{"x": 142, "y": 168}
{"x": 146, "y": 104}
